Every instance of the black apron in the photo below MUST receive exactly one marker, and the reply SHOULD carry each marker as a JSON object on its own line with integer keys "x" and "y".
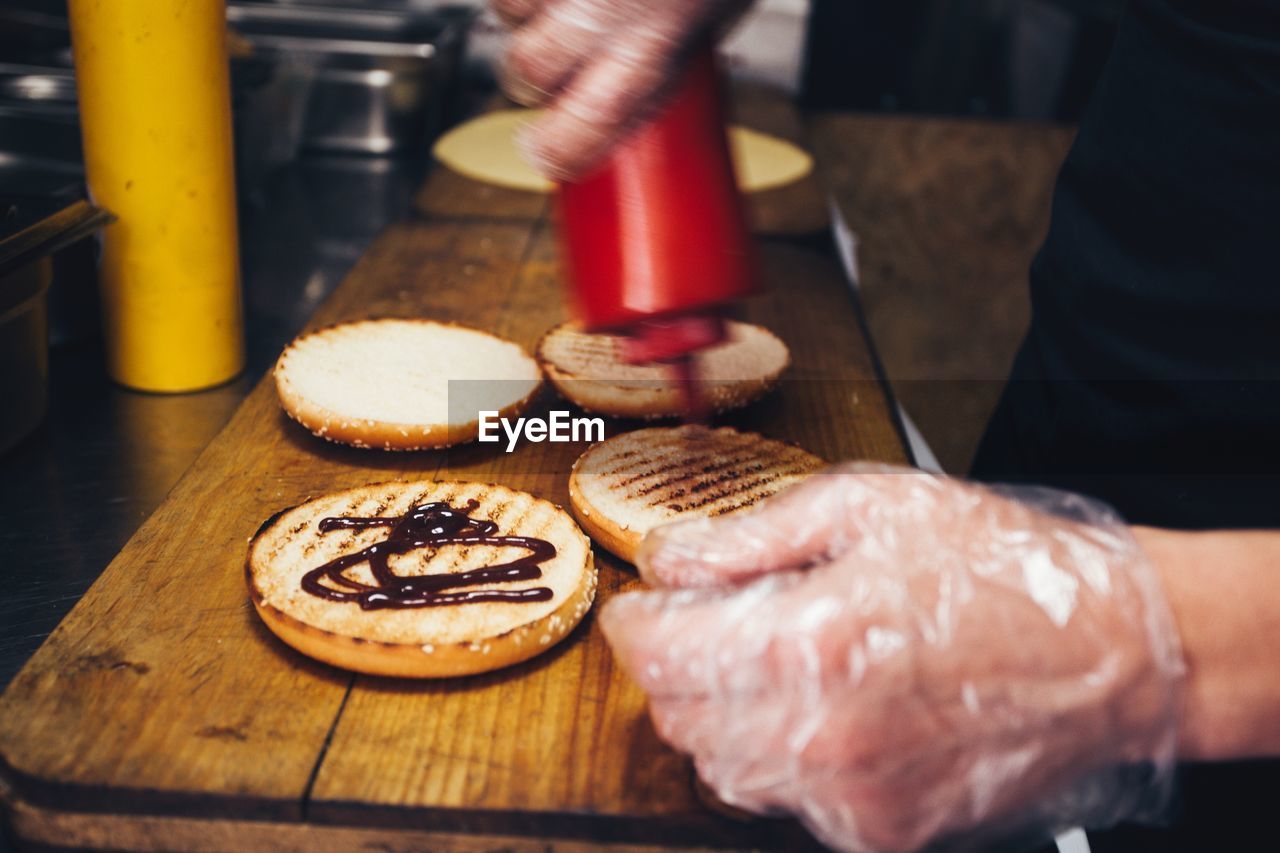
{"x": 1150, "y": 377}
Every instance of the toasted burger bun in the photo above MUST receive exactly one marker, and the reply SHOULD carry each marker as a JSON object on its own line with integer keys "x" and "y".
{"x": 623, "y": 487}
{"x": 427, "y": 642}
{"x": 387, "y": 383}
{"x": 586, "y": 369}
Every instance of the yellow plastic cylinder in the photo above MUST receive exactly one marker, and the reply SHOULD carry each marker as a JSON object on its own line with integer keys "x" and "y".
{"x": 155, "y": 114}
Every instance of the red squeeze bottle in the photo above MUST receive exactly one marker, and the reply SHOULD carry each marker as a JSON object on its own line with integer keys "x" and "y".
{"x": 655, "y": 242}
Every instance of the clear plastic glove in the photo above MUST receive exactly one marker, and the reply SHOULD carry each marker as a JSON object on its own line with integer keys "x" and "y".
{"x": 898, "y": 659}
{"x": 599, "y": 67}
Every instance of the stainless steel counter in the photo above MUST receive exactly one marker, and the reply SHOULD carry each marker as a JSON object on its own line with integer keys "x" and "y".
{"x": 73, "y": 492}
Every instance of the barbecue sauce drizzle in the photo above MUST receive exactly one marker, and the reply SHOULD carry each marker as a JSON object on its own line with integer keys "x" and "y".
{"x": 429, "y": 525}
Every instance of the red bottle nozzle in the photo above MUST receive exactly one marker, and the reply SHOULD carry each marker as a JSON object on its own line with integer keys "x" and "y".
{"x": 673, "y": 341}
{"x": 696, "y": 410}
{"x": 670, "y": 338}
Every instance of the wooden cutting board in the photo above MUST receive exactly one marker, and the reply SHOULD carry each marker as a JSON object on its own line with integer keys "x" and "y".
{"x": 161, "y": 714}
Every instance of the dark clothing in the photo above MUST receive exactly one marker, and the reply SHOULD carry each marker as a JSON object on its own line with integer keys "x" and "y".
{"x": 1151, "y": 374}
{"x": 1150, "y": 377}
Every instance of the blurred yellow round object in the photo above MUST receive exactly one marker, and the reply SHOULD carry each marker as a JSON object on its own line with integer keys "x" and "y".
{"x": 484, "y": 149}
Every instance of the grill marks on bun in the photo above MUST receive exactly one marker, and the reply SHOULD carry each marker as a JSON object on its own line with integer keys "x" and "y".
{"x": 717, "y": 471}
{"x": 622, "y": 488}
{"x": 424, "y": 642}
{"x": 587, "y": 369}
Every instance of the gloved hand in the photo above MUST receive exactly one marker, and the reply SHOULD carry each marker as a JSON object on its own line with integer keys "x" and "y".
{"x": 898, "y": 658}
{"x": 600, "y": 67}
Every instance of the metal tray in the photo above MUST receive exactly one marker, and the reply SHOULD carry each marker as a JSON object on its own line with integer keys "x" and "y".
{"x": 38, "y": 86}
{"x": 32, "y": 230}
{"x": 31, "y": 36}
{"x": 39, "y": 151}
{"x": 371, "y": 81}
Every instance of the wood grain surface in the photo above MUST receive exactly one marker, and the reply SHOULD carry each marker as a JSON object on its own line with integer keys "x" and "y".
{"x": 949, "y": 214}
{"x": 161, "y": 704}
